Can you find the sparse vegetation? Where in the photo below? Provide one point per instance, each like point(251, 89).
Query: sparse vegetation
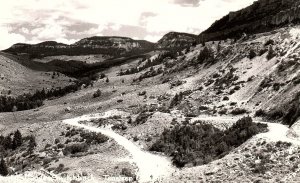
point(97, 93)
point(260, 113)
point(75, 148)
point(35, 100)
point(3, 168)
point(252, 54)
point(202, 143)
point(271, 53)
point(206, 56)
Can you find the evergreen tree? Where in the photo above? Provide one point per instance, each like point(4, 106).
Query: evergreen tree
point(7, 142)
point(32, 144)
point(17, 140)
point(3, 168)
point(107, 80)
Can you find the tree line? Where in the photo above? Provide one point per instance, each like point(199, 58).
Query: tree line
point(12, 142)
point(31, 101)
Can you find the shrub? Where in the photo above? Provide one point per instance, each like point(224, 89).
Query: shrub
point(288, 112)
point(127, 172)
point(176, 100)
point(135, 138)
point(226, 98)
point(203, 108)
point(252, 54)
point(47, 146)
point(142, 118)
point(3, 168)
point(275, 114)
point(202, 143)
point(93, 137)
point(97, 93)
point(60, 168)
point(206, 55)
point(262, 51)
point(223, 111)
point(260, 113)
point(60, 146)
point(285, 65)
point(75, 148)
point(276, 86)
point(17, 140)
point(238, 111)
point(142, 93)
point(270, 42)
point(232, 103)
point(271, 53)
point(102, 75)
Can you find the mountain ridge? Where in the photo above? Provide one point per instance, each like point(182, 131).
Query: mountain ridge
point(261, 16)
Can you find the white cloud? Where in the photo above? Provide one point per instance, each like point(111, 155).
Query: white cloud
point(7, 39)
point(51, 17)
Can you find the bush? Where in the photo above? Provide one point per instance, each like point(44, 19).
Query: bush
point(93, 137)
point(270, 42)
point(260, 113)
point(252, 54)
point(275, 114)
point(75, 148)
point(238, 111)
point(271, 53)
point(203, 108)
point(127, 172)
point(288, 112)
point(202, 143)
point(97, 93)
point(176, 100)
point(3, 168)
point(285, 65)
point(226, 98)
point(206, 55)
point(223, 111)
point(142, 118)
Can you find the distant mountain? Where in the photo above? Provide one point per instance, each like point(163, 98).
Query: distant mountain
point(176, 40)
point(262, 15)
point(113, 46)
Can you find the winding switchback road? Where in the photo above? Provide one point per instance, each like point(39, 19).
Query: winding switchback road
point(151, 167)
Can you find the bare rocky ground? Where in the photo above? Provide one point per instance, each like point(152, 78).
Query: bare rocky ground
point(249, 84)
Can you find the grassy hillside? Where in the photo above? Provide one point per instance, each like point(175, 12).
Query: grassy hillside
point(17, 79)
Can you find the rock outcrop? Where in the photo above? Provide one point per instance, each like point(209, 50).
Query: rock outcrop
point(176, 40)
point(262, 15)
point(114, 46)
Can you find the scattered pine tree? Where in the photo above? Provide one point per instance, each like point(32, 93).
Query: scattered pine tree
point(17, 140)
point(3, 168)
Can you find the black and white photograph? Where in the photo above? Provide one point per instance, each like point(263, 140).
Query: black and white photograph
point(149, 91)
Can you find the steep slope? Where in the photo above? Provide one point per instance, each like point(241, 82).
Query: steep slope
point(111, 46)
point(170, 89)
point(177, 40)
point(262, 15)
point(18, 79)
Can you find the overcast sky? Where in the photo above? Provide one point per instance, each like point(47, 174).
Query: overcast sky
point(33, 21)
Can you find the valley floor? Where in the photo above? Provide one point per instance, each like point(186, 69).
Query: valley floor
point(133, 110)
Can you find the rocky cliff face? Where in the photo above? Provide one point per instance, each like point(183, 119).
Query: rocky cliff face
point(113, 42)
point(113, 46)
point(176, 40)
point(262, 15)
